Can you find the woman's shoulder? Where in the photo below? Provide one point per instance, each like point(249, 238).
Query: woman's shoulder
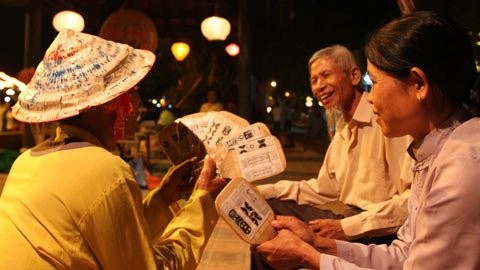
point(464, 141)
point(468, 132)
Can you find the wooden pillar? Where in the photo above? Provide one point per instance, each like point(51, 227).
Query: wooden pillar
point(245, 74)
point(32, 53)
point(33, 35)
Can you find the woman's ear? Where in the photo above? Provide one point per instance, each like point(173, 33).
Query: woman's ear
point(419, 81)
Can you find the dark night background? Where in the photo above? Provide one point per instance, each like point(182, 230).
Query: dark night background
point(283, 35)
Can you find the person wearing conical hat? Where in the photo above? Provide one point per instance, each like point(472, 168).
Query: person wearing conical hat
point(69, 203)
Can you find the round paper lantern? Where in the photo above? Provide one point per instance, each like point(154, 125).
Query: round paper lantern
point(131, 27)
point(215, 28)
point(68, 19)
point(180, 50)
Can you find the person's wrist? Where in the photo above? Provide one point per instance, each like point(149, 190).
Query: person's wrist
point(325, 245)
point(310, 257)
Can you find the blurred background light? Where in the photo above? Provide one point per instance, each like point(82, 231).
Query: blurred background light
point(215, 28)
point(68, 19)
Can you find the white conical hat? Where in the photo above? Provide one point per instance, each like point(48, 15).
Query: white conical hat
point(80, 71)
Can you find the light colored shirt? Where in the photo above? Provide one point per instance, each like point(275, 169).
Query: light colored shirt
point(443, 227)
point(362, 168)
point(208, 107)
point(77, 206)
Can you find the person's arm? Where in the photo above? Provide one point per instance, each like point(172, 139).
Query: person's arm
point(380, 219)
point(314, 191)
point(183, 240)
point(156, 205)
point(296, 245)
point(387, 216)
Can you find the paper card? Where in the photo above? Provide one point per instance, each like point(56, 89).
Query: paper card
point(168, 142)
point(222, 125)
point(254, 160)
point(197, 122)
point(245, 134)
point(179, 143)
point(244, 209)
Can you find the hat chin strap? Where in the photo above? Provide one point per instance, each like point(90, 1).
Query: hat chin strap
point(123, 107)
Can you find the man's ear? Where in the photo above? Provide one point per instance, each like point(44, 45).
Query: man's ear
point(355, 75)
point(419, 81)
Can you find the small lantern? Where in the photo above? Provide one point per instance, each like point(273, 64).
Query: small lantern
point(68, 19)
point(232, 49)
point(215, 28)
point(180, 50)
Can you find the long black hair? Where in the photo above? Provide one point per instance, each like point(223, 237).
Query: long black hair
point(437, 45)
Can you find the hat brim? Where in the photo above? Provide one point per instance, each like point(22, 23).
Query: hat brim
point(121, 79)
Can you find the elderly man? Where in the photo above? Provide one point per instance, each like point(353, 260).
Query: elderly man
point(363, 184)
point(69, 203)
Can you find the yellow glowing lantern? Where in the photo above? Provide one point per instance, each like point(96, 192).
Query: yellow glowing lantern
point(180, 50)
point(68, 19)
point(215, 28)
point(232, 49)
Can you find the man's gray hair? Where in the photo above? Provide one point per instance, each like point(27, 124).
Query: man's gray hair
point(340, 55)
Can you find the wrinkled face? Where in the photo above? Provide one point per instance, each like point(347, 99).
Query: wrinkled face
point(331, 85)
point(394, 102)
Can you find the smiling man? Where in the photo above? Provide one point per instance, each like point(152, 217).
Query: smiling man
point(362, 188)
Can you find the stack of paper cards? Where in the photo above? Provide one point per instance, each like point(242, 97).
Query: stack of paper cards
point(252, 153)
point(213, 127)
point(179, 143)
point(245, 210)
point(238, 148)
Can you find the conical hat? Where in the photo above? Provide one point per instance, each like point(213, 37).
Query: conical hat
point(80, 71)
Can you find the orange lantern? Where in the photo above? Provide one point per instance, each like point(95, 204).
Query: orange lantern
point(180, 50)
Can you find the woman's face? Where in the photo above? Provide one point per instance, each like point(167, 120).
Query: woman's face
point(395, 104)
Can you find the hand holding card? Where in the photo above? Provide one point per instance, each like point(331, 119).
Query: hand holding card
point(245, 210)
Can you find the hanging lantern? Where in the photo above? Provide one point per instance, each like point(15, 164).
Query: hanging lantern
point(215, 28)
point(180, 50)
point(232, 49)
point(68, 19)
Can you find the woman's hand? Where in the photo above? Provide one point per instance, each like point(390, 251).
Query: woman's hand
point(287, 251)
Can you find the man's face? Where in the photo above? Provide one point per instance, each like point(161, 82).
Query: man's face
point(330, 85)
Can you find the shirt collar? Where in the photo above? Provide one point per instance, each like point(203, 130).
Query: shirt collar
point(64, 134)
point(68, 132)
point(421, 150)
point(364, 111)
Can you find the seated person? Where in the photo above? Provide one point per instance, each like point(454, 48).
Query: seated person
point(361, 190)
point(422, 67)
point(69, 203)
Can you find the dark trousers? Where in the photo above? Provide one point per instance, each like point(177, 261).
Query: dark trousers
point(337, 210)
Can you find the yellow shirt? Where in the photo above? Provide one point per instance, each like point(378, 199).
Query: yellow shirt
point(77, 206)
point(362, 168)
